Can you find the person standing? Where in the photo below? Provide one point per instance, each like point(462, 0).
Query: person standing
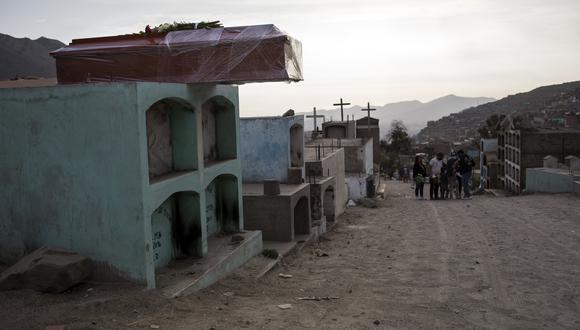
point(419, 175)
point(436, 164)
point(452, 175)
point(444, 182)
point(466, 164)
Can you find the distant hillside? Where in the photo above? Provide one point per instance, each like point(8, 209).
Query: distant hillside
point(21, 57)
point(464, 124)
point(414, 114)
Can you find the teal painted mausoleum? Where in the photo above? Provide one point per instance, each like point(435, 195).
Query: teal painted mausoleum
point(133, 175)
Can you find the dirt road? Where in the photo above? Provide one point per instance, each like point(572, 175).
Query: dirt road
point(501, 263)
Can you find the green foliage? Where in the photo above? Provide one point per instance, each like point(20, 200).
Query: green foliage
point(490, 127)
point(270, 253)
point(397, 142)
point(177, 26)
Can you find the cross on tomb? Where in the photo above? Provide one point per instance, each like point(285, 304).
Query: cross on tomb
point(368, 110)
point(314, 116)
point(341, 109)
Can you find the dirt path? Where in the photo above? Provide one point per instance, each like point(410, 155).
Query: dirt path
point(504, 263)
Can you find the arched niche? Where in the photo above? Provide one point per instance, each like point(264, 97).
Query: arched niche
point(302, 217)
point(219, 130)
point(222, 205)
point(176, 228)
point(296, 146)
point(171, 138)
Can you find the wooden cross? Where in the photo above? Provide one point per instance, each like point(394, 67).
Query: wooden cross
point(314, 116)
point(368, 110)
point(341, 109)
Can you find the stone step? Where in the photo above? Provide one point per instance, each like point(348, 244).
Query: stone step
point(219, 262)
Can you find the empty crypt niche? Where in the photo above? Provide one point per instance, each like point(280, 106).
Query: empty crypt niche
point(171, 139)
point(301, 215)
point(222, 206)
point(219, 130)
point(176, 229)
point(296, 146)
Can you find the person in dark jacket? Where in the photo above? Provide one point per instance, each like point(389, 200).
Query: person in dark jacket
point(466, 164)
point(419, 174)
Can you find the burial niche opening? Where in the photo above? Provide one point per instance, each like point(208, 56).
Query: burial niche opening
point(176, 229)
point(329, 204)
point(222, 205)
point(219, 130)
point(302, 217)
point(171, 138)
point(296, 146)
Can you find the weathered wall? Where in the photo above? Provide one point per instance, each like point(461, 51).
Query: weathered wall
point(333, 165)
point(70, 171)
point(368, 151)
point(549, 180)
point(75, 173)
point(265, 147)
point(356, 187)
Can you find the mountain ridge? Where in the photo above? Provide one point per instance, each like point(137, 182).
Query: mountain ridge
point(21, 57)
point(414, 114)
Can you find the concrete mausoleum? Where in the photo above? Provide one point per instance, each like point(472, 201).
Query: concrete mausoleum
point(133, 175)
point(276, 199)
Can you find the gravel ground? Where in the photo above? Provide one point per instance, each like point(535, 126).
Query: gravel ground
point(501, 263)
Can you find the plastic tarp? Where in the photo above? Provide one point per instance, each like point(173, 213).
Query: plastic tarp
point(233, 55)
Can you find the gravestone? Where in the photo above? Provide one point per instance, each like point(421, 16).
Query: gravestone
point(550, 162)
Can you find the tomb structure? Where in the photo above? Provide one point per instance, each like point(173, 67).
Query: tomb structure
point(520, 148)
point(132, 175)
point(368, 128)
point(488, 164)
point(276, 199)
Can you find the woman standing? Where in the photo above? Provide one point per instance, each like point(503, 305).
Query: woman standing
point(419, 174)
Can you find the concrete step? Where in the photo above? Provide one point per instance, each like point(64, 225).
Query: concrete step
point(189, 276)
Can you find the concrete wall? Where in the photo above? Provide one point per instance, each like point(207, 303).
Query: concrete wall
point(549, 180)
point(70, 168)
point(333, 165)
point(75, 174)
point(265, 147)
point(367, 157)
point(356, 186)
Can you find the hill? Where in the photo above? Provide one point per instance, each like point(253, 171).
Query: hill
point(414, 114)
point(464, 124)
point(22, 57)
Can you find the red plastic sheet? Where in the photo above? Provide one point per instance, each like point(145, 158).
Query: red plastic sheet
point(234, 55)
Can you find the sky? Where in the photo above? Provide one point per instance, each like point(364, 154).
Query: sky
point(363, 51)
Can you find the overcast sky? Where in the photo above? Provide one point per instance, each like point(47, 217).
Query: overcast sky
point(377, 51)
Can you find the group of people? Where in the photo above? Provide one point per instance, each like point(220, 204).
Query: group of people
point(446, 177)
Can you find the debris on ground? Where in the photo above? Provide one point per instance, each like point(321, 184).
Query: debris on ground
point(285, 306)
point(369, 203)
point(154, 326)
point(285, 275)
point(320, 253)
point(229, 294)
point(47, 270)
point(377, 322)
point(350, 203)
point(270, 253)
point(317, 298)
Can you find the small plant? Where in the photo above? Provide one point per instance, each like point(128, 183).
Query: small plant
point(270, 253)
point(178, 26)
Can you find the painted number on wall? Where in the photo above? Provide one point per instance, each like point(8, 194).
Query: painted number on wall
point(156, 243)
